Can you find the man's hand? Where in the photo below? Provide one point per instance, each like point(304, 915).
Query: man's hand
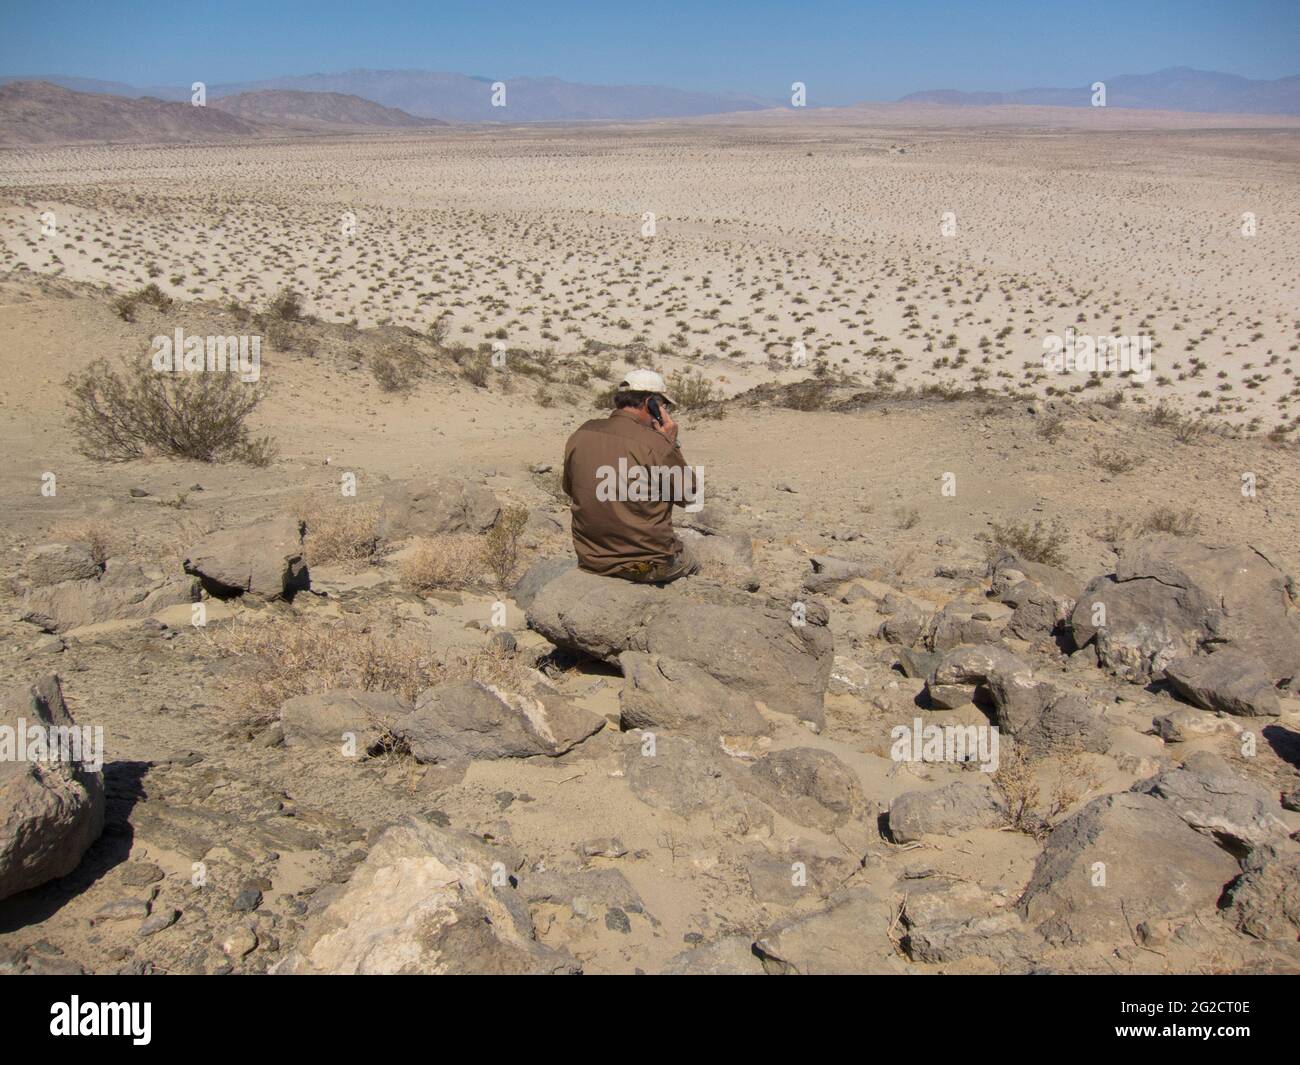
point(668, 427)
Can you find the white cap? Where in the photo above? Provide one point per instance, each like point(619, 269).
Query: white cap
point(646, 381)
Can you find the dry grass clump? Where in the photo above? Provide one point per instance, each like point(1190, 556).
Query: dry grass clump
point(451, 561)
point(691, 389)
point(103, 541)
point(126, 413)
point(125, 306)
point(1115, 462)
point(501, 544)
point(287, 657)
point(398, 368)
point(290, 656)
point(1161, 520)
point(343, 532)
point(1034, 543)
point(1017, 780)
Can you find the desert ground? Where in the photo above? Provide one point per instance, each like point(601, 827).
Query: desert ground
point(882, 446)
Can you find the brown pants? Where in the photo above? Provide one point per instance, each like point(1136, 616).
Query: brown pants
point(682, 564)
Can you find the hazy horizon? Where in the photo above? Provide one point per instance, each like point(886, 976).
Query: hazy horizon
point(845, 53)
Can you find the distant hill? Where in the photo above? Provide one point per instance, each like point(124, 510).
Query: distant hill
point(36, 112)
point(464, 98)
point(1175, 89)
point(318, 110)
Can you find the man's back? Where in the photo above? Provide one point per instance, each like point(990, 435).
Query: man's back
point(610, 530)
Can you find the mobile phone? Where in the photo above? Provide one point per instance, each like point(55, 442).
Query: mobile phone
point(652, 405)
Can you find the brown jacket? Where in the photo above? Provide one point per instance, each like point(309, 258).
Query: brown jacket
point(610, 534)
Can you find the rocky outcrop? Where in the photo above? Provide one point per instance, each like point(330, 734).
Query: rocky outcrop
point(51, 797)
point(778, 655)
point(1122, 860)
point(125, 591)
point(425, 901)
point(1170, 598)
point(663, 693)
point(946, 811)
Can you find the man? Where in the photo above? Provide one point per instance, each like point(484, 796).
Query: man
point(624, 474)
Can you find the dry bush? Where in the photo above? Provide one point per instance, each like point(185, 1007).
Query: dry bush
point(101, 539)
point(476, 371)
point(287, 657)
point(1115, 462)
point(451, 561)
point(286, 306)
point(125, 414)
point(908, 517)
point(290, 656)
point(501, 545)
point(1034, 543)
point(339, 532)
point(397, 369)
point(125, 306)
point(1051, 427)
point(691, 389)
point(1168, 520)
point(1015, 779)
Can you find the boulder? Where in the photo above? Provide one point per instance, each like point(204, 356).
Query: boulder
point(955, 678)
point(1187, 723)
point(57, 562)
point(325, 718)
point(1229, 680)
point(465, 719)
point(751, 646)
point(829, 572)
point(812, 787)
point(905, 622)
point(965, 623)
point(1170, 598)
point(537, 575)
point(948, 921)
point(1264, 901)
point(1122, 860)
point(263, 561)
point(1043, 597)
point(663, 693)
point(947, 811)
point(51, 807)
point(1213, 799)
point(848, 937)
point(434, 506)
point(425, 901)
point(125, 591)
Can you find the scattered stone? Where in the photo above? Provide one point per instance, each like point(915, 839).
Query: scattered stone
point(435, 506)
point(1264, 901)
point(662, 692)
point(1229, 680)
point(158, 920)
point(55, 563)
point(327, 719)
point(848, 937)
point(1213, 799)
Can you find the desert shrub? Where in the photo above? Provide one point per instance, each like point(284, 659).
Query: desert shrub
point(281, 335)
point(397, 369)
point(450, 561)
point(1038, 542)
point(1115, 462)
point(1051, 427)
point(339, 532)
point(691, 389)
point(807, 395)
point(285, 306)
point(121, 414)
point(1168, 520)
point(501, 545)
point(125, 305)
point(1191, 430)
point(476, 370)
point(908, 517)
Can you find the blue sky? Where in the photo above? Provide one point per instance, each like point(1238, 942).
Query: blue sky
point(844, 51)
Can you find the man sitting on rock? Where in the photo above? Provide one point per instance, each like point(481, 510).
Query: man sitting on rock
point(624, 474)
